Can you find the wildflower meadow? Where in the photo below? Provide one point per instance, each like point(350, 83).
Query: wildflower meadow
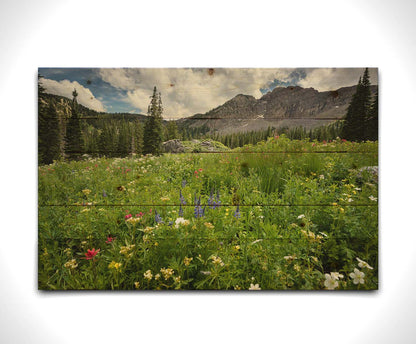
point(281, 214)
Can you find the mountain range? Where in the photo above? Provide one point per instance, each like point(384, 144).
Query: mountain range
point(283, 107)
point(290, 106)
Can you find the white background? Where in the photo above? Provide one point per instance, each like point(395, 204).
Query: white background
point(206, 34)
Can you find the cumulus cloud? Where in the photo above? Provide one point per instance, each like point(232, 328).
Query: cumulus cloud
point(187, 91)
point(328, 79)
point(66, 87)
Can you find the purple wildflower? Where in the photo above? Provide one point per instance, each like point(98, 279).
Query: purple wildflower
point(158, 218)
point(181, 198)
point(198, 211)
point(237, 212)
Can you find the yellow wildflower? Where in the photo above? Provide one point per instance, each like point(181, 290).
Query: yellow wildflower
point(126, 249)
point(86, 192)
point(167, 273)
point(72, 264)
point(114, 265)
point(137, 285)
point(148, 275)
point(164, 199)
point(187, 261)
point(209, 225)
point(133, 220)
point(217, 260)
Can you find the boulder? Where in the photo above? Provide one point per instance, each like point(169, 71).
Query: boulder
point(173, 146)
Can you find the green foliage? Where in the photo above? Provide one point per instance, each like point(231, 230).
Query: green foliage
point(361, 122)
point(48, 129)
point(372, 120)
point(153, 130)
point(302, 216)
point(171, 131)
point(73, 139)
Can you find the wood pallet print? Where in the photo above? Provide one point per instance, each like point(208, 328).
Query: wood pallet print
point(208, 179)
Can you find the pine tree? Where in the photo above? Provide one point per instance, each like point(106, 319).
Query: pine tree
point(153, 130)
point(73, 138)
point(124, 139)
point(137, 140)
point(355, 124)
point(172, 131)
point(372, 121)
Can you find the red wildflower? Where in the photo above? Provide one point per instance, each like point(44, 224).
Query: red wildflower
point(343, 140)
point(200, 170)
point(196, 172)
point(91, 254)
point(110, 240)
point(139, 214)
point(128, 216)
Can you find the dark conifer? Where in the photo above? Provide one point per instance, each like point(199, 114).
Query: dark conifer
point(48, 128)
point(73, 138)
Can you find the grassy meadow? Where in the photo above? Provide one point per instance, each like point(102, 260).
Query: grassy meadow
point(283, 214)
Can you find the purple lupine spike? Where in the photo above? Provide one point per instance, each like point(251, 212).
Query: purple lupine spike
point(180, 211)
point(237, 212)
point(197, 211)
point(158, 218)
point(183, 183)
point(104, 193)
point(217, 201)
point(211, 201)
point(181, 198)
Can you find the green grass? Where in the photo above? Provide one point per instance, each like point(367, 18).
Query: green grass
point(302, 214)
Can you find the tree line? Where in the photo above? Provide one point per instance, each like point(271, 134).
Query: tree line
point(71, 135)
point(361, 120)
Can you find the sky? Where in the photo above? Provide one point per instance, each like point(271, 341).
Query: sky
point(185, 91)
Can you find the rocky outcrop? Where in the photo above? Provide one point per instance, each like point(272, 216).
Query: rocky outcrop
point(284, 106)
point(173, 146)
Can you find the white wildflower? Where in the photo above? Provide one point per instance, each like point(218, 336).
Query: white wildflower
point(181, 221)
point(357, 276)
point(363, 264)
point(254, 286)
point(330, 282)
